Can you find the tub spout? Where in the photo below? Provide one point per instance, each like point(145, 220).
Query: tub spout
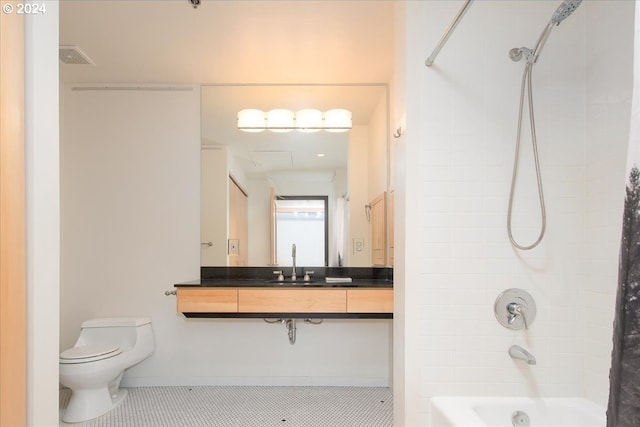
point(517, 352)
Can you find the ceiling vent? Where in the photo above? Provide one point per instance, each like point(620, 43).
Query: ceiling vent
point(72, 55)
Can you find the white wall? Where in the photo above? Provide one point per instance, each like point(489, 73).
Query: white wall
point(406, 399)
point(130, 198)
point(461, 117)
point(367, 179)
point(358, 178)
point(43, 215)
point(609, 80)
point(377, 153)
point(130, 210)
point(259, 212)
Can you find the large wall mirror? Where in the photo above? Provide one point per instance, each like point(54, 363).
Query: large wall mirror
point(246, 174)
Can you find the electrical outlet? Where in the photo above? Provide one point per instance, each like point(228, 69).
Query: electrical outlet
point(233, 246)
point(358, 245)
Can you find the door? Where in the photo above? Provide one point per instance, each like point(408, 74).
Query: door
point(13, 342)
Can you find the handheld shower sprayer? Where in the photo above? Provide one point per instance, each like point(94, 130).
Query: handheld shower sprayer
point(566, 8)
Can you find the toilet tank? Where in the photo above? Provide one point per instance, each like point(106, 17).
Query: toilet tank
point(123, 331)
point(108, 322)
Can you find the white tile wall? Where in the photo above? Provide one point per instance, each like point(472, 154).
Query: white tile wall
point(461, 126)
point(609, 41)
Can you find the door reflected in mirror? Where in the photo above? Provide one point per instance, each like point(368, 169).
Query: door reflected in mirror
point(347, 169)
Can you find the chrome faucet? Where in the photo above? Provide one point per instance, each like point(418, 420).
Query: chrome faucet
point(293, 254)
point(517, 352)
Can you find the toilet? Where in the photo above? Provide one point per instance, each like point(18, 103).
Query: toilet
point(94, 366)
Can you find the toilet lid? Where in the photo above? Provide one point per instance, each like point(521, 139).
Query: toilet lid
point(89, 353)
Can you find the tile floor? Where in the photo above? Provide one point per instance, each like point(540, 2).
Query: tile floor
point(226, 406)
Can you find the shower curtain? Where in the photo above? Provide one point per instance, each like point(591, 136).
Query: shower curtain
point(624, 378)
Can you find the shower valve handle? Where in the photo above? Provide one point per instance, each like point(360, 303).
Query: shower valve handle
point(517, 310)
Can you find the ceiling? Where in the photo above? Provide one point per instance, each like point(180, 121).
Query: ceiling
point(229, 41)
point(279, 43)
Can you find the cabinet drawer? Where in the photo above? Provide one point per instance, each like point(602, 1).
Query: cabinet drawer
point(292, 300)
point(370, 301)
point(219, 300)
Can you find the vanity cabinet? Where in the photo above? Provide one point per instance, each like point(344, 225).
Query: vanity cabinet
point(296, 300)
point(369, 301)
point(255, 302)
point(207, 300)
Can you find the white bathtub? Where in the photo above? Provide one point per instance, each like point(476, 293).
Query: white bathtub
point(498, 412)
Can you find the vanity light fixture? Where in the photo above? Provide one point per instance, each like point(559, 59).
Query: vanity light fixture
point(307, 120)
point(251, 120)
point(280, 120)
point(336, 120)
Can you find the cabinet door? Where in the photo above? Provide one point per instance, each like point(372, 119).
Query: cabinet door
point(207, 300)
point(370, 301)
point(378, 230)
point(292, 300)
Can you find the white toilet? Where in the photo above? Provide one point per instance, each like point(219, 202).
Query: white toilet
point(94, 366)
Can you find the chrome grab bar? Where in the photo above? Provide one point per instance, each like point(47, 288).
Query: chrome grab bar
point(448, 32)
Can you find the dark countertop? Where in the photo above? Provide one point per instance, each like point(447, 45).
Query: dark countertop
point(253, 283)
point(263, 277)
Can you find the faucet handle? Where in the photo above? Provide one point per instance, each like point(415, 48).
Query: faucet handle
point(307, 275)
point(280, 275)
point(515, 309)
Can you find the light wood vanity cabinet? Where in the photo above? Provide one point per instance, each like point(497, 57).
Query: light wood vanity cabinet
point(292, 300)
point(369, 300)
point(296, 300)
point(207, 300)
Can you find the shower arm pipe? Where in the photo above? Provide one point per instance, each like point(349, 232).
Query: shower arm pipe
point(448, 32)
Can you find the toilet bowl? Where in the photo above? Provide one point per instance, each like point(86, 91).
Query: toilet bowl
point(94, 366)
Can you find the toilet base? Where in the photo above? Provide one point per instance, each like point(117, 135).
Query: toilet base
point(116, 399)
point(86, 404)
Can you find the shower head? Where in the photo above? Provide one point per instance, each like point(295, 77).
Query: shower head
point(564, 10)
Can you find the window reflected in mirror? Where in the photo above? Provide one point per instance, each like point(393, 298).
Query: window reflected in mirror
point(302, 221)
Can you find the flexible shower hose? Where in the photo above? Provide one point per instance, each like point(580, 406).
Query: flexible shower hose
point(526, 81)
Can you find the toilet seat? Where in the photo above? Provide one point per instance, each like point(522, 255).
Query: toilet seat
point(89, 353)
